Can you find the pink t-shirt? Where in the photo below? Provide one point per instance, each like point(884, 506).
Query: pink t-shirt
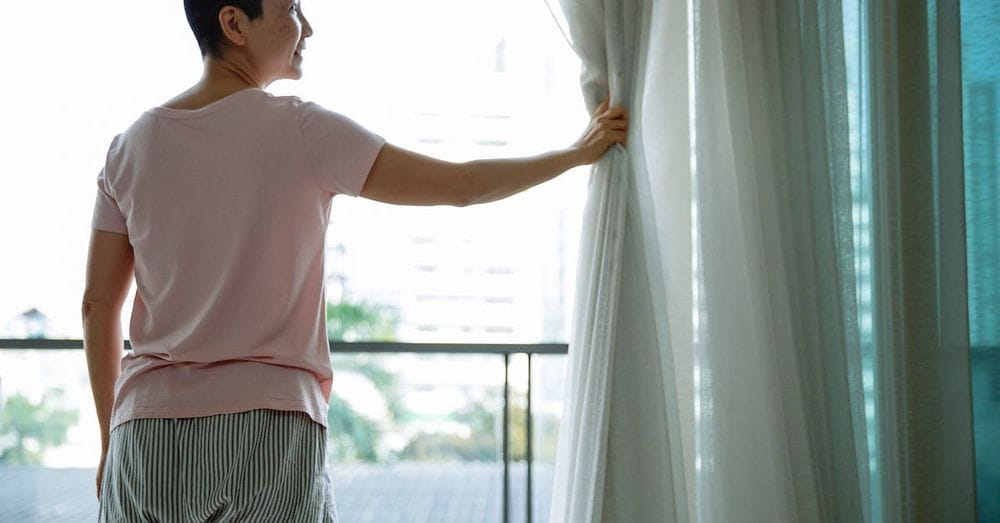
point(226, 208)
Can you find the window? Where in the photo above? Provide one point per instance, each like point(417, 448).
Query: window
point(981, 140)
point(457, 80)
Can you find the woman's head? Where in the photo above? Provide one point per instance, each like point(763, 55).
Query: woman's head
point(263, 36)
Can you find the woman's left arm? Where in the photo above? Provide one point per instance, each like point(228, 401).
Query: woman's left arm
point(110, 268)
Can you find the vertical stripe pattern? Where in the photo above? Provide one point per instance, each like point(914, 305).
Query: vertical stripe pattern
point(257, 465)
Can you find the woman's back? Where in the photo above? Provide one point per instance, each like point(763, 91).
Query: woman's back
point(226, 207)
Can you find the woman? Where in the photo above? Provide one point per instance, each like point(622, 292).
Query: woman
point(218, 202)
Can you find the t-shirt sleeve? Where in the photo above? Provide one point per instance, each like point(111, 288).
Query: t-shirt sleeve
point(107, 214)
point(340, 151)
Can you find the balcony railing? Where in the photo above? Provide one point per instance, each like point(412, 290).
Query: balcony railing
point(504, 351)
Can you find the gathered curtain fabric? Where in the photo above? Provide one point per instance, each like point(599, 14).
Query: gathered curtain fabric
point(716, 363)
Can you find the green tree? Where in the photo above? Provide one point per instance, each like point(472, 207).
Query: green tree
point(350, 321)
point(356, 437)
point(485, 438)
point(353, 435)
point(438, 446)
point(39, 423)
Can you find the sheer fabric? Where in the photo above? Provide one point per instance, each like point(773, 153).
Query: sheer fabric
point(715, 364)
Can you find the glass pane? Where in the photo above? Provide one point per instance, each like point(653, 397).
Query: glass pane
point(547, 382)
point(547, 399)
point(417, 437)
point(981, 136)
point(50, 443)
point(413, 437)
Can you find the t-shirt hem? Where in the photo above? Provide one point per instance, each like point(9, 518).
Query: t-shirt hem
point(110, 228)
point(193, 411)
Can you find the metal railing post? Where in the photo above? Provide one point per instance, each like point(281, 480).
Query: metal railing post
point(528, 430)
point(506, 419)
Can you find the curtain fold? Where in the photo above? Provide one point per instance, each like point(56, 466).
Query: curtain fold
point(924, 409)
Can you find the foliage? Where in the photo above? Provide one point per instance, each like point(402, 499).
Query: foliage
point(356, 437)
point(438, 446)
point(33, 427)
point(386, 382)
point(484, 441)
point(352, 435)
point(351, 321)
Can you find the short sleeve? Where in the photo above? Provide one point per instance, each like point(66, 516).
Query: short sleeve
point(340, 151)
point(107, 215)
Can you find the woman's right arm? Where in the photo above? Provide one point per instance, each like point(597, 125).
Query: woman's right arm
point(406, 177)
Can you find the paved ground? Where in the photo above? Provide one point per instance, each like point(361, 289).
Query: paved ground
point(403, 492)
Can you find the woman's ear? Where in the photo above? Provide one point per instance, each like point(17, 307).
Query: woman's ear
point(234, 24)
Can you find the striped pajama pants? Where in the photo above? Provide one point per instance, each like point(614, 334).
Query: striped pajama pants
point(257, 465)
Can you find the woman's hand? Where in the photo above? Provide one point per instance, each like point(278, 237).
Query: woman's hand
point(100, 471)
point(607, 126)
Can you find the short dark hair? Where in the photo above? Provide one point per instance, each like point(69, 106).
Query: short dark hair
point(203, 17)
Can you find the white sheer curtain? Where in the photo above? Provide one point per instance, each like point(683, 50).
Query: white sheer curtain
point(714, 370)
point(779, 352)
point(610, 432)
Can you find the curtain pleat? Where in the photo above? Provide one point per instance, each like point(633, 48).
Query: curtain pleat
point(920, 314)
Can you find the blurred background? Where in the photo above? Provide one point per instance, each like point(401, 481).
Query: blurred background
point(415, 434)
